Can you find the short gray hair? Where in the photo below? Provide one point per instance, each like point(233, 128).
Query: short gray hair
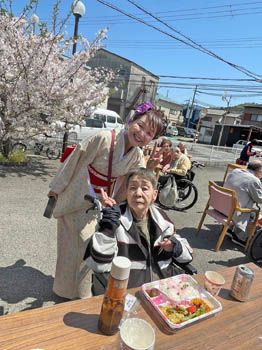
point(255, 165)
point(143, 172)
point(174, 149)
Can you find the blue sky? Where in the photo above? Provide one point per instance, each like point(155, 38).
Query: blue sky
point(229, 28)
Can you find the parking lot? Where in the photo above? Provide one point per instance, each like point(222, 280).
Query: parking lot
point(28, 240)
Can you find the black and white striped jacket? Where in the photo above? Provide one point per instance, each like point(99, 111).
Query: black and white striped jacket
point(129, 241)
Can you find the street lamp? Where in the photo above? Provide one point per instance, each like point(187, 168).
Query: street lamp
point(78, 9)
point(34, 20)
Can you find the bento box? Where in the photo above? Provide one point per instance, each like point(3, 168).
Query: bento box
point(180, 301)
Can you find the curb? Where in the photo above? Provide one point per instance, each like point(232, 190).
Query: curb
point(15, 164)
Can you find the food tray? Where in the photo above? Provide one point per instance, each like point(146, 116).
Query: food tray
point(182, 288)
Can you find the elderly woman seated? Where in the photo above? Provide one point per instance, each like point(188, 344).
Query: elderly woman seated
point(183, 149)
point(139, 231)
point(179, 166)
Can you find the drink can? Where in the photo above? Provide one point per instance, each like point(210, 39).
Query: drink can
point(241, 283)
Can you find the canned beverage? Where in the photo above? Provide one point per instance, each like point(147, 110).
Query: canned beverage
point(241, 283)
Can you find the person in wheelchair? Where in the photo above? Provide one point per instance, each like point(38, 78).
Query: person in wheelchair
point(179, 166)
point(166, 146)
point(139, 231)
point(183, 149)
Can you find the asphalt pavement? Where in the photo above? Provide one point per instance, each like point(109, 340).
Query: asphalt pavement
point(28, 240)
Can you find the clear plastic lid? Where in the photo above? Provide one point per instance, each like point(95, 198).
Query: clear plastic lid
point(120, 268)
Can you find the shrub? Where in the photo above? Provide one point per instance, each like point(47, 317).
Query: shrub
point(17, 157)
point(2, 158)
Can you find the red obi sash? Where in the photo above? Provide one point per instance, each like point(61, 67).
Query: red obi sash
point(99, 180)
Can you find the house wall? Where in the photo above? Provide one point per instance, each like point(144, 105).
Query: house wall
point(252, 116)
point(173, 111)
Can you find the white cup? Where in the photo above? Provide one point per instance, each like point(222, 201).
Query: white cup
point(137, 334)
point(213, 282)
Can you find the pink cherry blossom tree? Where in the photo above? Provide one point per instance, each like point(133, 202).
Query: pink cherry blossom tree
point(37, 78)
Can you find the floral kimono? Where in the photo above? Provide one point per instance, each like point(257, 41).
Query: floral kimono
point(84, 172)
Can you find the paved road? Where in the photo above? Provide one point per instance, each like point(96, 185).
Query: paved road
point(28, 240)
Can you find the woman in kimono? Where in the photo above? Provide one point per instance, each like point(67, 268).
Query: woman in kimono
point(85, 172)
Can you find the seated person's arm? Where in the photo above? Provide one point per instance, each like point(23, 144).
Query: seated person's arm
point(255, 190)
point(103, 245)
point(184, 166)
point(177, 248)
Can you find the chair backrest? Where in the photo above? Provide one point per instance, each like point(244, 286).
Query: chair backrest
point(222, 199)
point(232, 166)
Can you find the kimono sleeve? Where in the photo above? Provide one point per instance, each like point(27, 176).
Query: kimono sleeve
point(85, 151)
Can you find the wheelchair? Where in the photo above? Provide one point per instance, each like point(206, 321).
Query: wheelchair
point(187, 193)
point(254, 251)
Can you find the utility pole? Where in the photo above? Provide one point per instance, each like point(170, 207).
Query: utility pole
point(192, 107)
point(227, 99)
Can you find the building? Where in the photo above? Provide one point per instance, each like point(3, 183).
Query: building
point(172, 110)
point(133, 85)
point(220, 116)
point(227, 135)
point(252, 115)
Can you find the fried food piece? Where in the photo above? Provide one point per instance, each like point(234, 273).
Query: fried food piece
point(154, 292)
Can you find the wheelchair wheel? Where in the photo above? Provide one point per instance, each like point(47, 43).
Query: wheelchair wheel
point(255, 247)
point(187, 195)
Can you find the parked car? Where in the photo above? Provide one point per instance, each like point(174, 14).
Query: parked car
point(110, 118)
point(77, 132)
point(186, 132)
point(241, 143)
point(171, 131)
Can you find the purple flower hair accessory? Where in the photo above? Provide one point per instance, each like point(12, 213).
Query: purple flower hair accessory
point(144, 107)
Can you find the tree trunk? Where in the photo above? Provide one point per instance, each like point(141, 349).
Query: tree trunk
point(6, 147)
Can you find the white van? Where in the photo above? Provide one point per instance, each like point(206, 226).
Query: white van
point(110, 118)
point(99, 118)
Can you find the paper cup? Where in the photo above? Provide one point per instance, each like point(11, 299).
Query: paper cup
point(213, 282)
point(136, 334)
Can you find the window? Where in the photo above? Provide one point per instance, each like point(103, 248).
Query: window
point(256, 117)
point(94, 123)
point(111, 119)
point(100, 117)
point(119, 120)
point(207, 119)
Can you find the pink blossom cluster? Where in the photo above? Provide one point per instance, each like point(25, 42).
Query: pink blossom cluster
point(37, 78)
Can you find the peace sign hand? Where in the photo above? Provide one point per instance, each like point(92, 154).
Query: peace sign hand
point(155, 157)
point(106, 200)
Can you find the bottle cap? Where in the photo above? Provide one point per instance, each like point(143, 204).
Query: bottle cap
point(120, 268)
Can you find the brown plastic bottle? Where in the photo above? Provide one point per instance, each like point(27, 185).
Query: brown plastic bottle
point(114, 299)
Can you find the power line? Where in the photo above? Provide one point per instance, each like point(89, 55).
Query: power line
point(197, 46)
point(231, 8)
point(194, 78)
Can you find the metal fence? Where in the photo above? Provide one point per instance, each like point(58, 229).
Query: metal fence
point(212, 152)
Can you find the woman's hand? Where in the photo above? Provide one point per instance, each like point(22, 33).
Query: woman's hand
point(155, 157)
point(106, 200)
point(167, 245)
point(166, 169)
